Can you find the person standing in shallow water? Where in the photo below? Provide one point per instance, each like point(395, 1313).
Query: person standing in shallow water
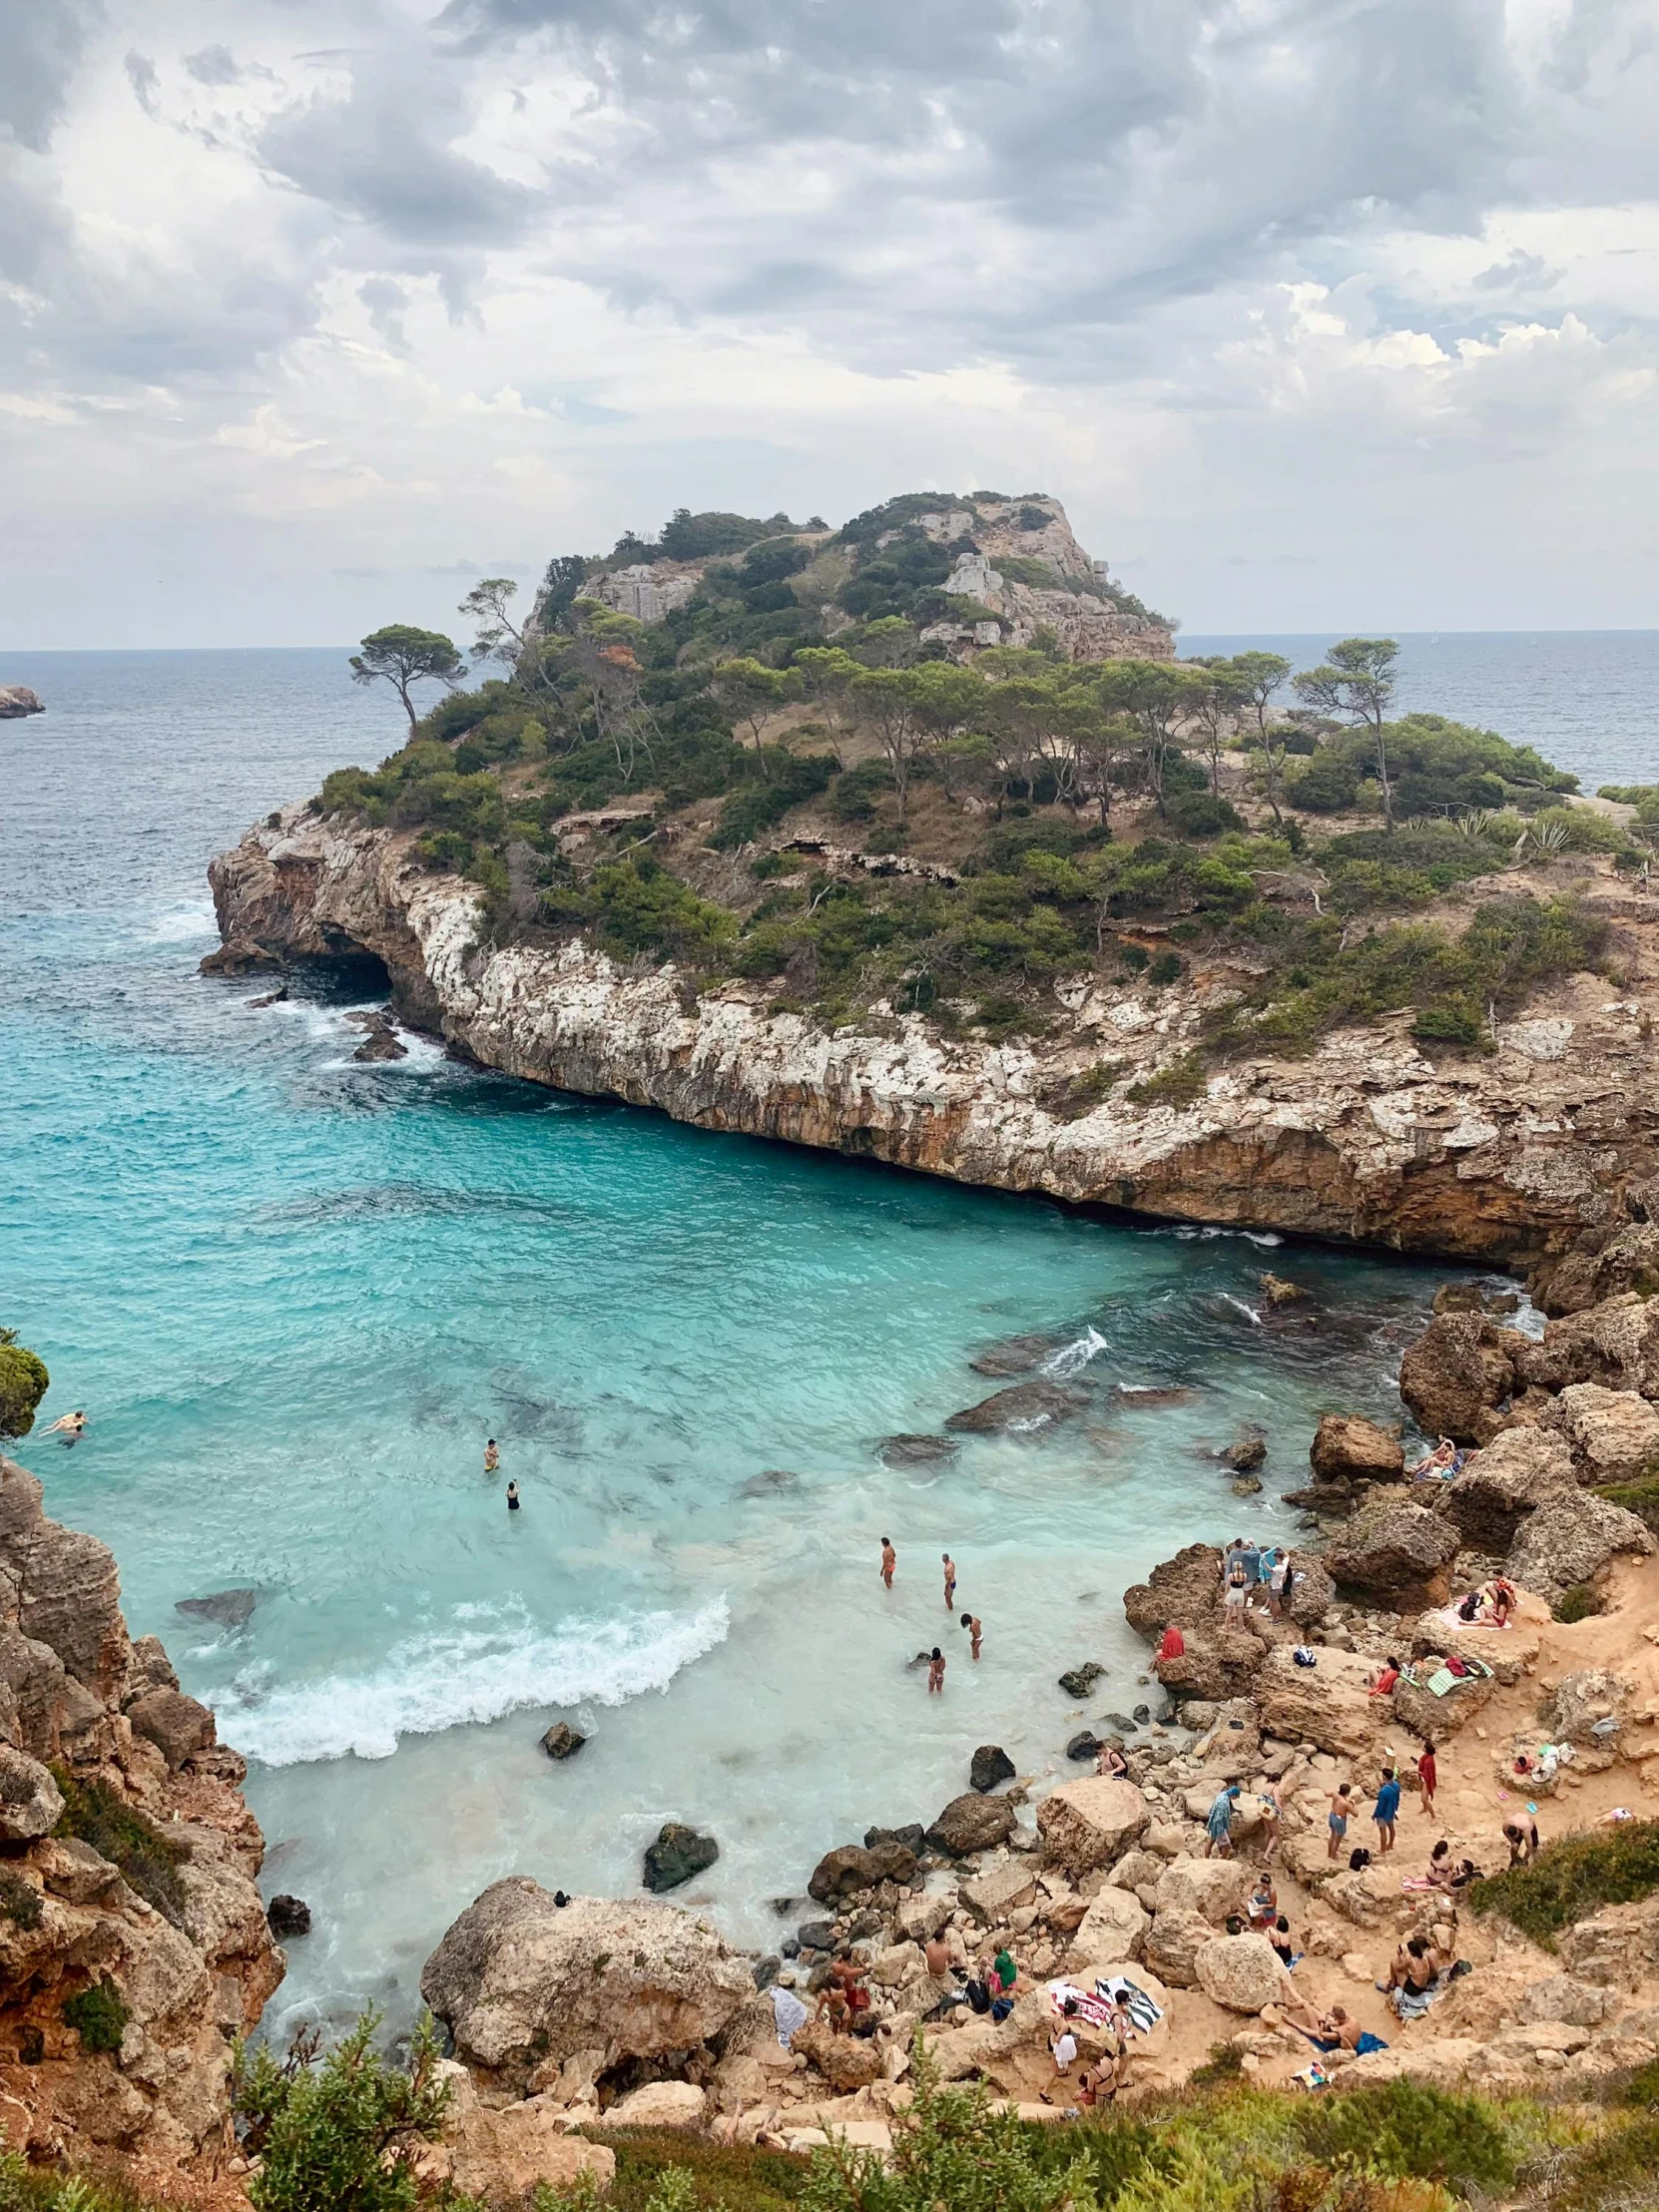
point(949, 1581)
point(492, 1457)
point(971, 1621)
point(512, 1497)
point(935, 1672)
point(890, 1560)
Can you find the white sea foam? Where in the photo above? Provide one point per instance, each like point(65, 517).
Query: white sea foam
point(470, 1674)
point(1238, 1303)
point(184, 918)
point(1265, 1236)
point(1072, 1358)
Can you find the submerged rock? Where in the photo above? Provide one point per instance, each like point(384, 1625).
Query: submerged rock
point(678, 1853)
point(1015, 1355)
point(1154, 1393)
point(562, 1741)
point(230, 1608)
point(381, 1039)
point(1278, 1292)
point(1025, 1407)
point(1077, 1682)
point(772, 1483)
point(1243, 1454)
point(907, 1450)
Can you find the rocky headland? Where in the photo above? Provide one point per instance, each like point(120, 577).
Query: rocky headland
point(1533, 1151)
point(134, 1943)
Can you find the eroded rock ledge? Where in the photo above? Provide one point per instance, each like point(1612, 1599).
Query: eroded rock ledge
point(1510, 1159)
point(167, 1936)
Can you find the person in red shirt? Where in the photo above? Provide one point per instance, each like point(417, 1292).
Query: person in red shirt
point(1388, 1676)
point(1426, 1780)
point(1174, 1644)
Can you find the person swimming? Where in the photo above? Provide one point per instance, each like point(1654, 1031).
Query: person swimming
point(68, 1428)
point(492, 1457)
point(512, 1497)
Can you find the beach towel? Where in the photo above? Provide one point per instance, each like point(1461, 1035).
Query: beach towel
point(1368, 2044)
point(1097, 2010)
point(1134, 1999)
point(1312, 2077)
point(1411, 2004)
point(788, 2010)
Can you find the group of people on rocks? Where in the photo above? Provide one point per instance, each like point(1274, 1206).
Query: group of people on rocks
point(1256, 1574)
point(971, 1621)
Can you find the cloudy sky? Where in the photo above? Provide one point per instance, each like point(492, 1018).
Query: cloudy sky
point(1315, 312)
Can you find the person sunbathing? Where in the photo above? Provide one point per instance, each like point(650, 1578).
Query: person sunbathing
point(1263, 1908)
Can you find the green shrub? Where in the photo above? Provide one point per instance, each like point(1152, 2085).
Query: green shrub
point(1402, 2128)
point(1579, 1603)
point(657, 2167)
point(1568, 1880)
point(19, 1900)
point(1183, 1083)
point(1080, 1095)
point(23, 1384)
point(858, 791)
point(1202, 815)
point(1451, 1021)
point(758, 805)
point(339, 2133)
point(1166, 969)
point(98, 2017)
point(1224, 2064)
point(122, 1834)
point(642, 908)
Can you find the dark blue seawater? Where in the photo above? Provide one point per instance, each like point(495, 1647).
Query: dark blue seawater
point(1587, 699)
point(296, 1294)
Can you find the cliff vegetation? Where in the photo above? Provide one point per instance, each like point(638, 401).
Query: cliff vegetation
point(817, 769)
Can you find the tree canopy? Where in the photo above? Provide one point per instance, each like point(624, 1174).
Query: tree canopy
point(402, 656)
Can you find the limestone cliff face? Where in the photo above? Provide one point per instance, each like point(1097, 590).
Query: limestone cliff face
point(93, 1730)
point(1503, 1159)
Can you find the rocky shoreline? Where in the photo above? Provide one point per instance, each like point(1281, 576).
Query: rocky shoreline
point(134, 1942)
point(1516, 1158)
point(568, 2013)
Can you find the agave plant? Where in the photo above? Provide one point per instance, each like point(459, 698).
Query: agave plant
point(1475, 822)
point(1546, 837)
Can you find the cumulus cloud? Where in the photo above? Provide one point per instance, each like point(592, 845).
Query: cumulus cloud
point(379, 281)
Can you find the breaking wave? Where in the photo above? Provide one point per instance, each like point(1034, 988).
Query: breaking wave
point(468, 1673)
point(1072, 1358)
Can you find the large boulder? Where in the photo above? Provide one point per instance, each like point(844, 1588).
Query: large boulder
point(1025, 1408)
point(1613, 1434)
point(660, 2104)
point(1209, 1888)
point(1173, 1942)
point(1218, 1663)
point(1502, 1484)
point(1088, 1824)
point(499, 2154)
point(1435, 1717)
point(178, 1726)
point(845, 2061)
point(1627, 1261)
point(1395, 1553)
point(1242, 1972)
point(971, 1823)
point(519, 1981)
point(1184, 1589)
point(1346, 1449)
point(1581, 1700)
point(1454, 1376)
point(1312, 1590)
point(846, 1869)
point(1114, 1926)
point(1573, 1539)
point(1615, 1344)
point(31, 1803)
point(1328, 1703)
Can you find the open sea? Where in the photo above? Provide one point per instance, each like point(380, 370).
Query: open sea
point(296, 1294)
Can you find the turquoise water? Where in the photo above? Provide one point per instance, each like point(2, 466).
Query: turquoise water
point(296, 1294)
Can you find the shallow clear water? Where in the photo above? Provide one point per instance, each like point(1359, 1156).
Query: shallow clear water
point(296, 1294)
